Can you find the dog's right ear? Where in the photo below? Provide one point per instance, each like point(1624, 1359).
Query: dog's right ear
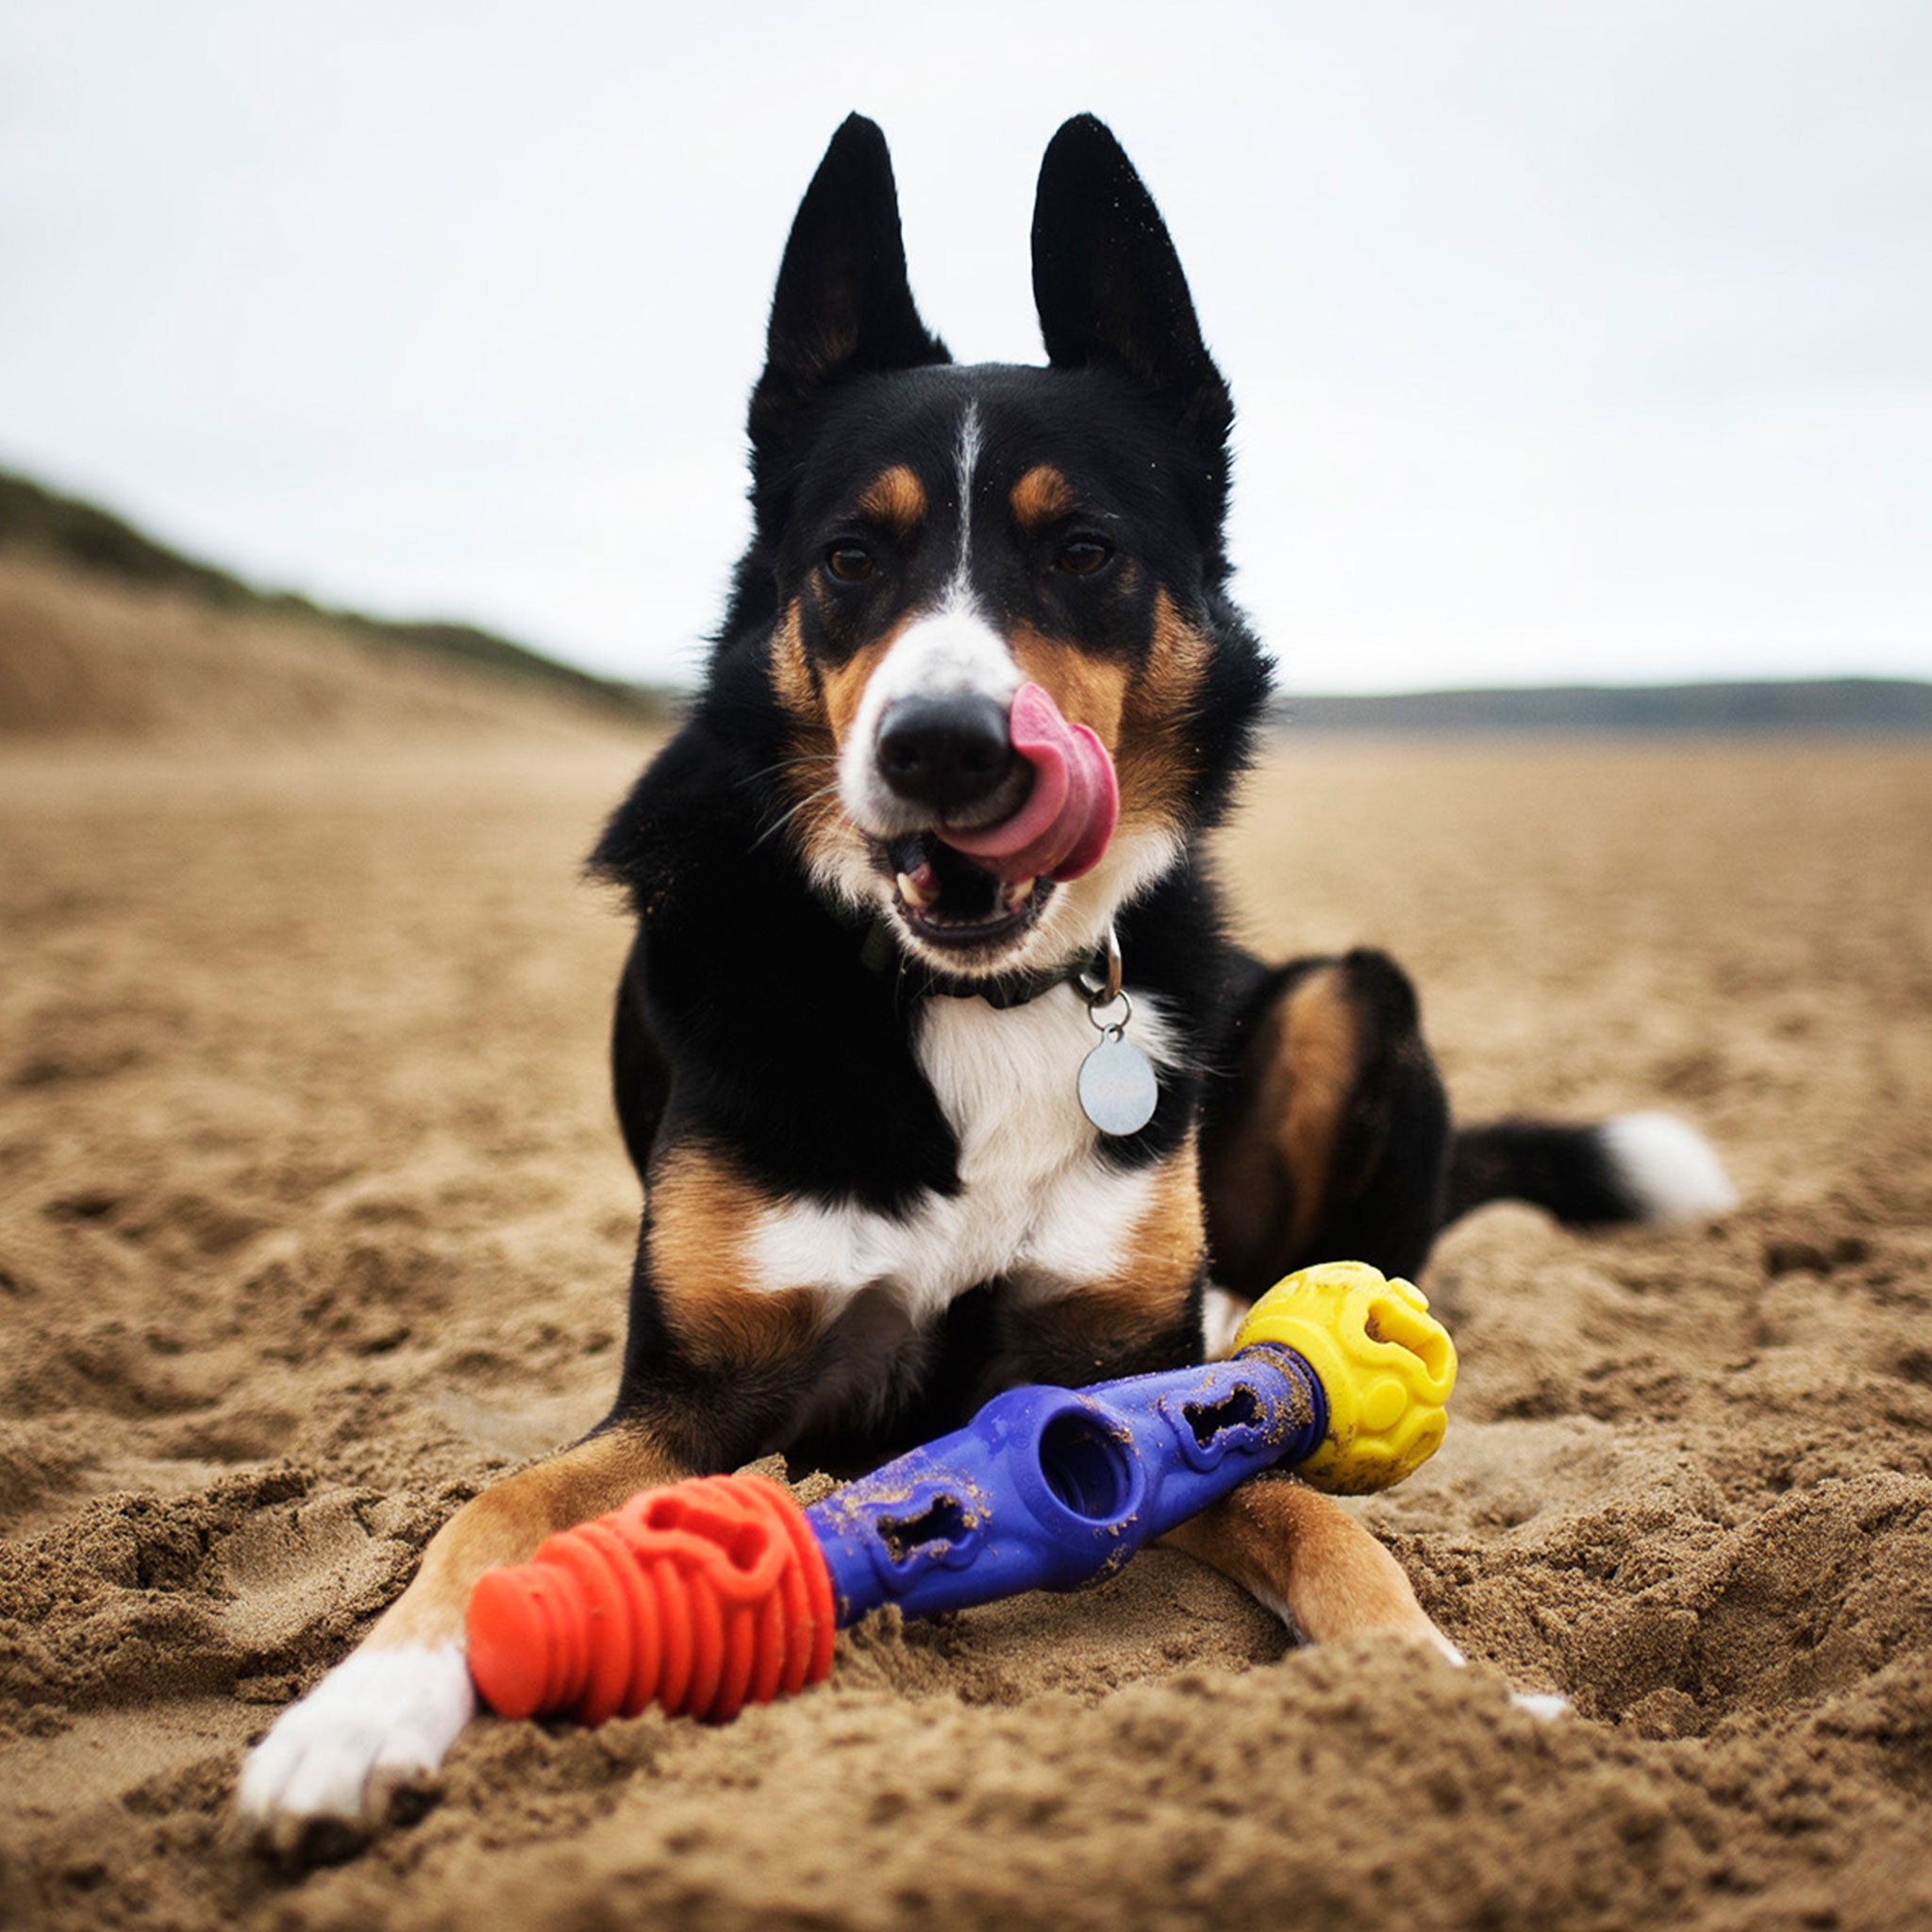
point(843, 303)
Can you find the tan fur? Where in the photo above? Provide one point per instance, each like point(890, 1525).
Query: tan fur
point(792, 678)
point(1268, 1182)
point(1156, 756)
point(1320, 1048)
point(1242, 1183)
point(1040, 496)
point(844, 684)
point(1282, 1540)
point(1089, 690)
point(895, 499)
point(816, 823)
point(822, 704)
point(1167, 1243)
point(701, 1211)
point(506, 1523)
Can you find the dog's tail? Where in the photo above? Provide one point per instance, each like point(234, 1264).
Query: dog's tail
point(1646, 1167)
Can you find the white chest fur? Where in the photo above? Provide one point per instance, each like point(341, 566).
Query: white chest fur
point(1035, 1208)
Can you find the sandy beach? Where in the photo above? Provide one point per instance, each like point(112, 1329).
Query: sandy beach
point(313, 1217)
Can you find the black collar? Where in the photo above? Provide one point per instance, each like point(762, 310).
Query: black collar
point(914, 979)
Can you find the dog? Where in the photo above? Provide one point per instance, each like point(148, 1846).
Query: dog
point(928, 849)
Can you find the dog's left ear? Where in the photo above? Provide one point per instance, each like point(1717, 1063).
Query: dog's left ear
point(1109, 284)
point(843, 303)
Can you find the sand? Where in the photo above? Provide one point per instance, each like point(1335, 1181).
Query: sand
point(313, 1217)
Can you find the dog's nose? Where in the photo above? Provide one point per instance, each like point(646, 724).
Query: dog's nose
point(945, 753)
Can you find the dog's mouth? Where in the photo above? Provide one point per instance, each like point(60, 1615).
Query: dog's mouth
point(1017, 811)
point(948, 901)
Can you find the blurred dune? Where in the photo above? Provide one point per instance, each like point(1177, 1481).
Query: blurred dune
point(108, 633)
point(83, 657)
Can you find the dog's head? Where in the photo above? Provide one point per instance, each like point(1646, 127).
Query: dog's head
point(1012, 684)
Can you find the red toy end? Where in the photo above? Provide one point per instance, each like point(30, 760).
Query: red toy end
point(701, 1598)
point(511, 1645)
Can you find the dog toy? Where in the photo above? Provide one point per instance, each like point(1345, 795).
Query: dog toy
point(720, 1591)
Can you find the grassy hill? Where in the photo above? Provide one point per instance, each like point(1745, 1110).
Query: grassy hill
point(38, 525)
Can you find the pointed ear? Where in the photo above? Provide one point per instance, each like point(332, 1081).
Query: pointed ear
point(843, 303)
point(1109, 284)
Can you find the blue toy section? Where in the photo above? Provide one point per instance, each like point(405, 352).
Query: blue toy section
point(1050, 1489)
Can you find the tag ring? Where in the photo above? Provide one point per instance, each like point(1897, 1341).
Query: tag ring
point(1102, 992)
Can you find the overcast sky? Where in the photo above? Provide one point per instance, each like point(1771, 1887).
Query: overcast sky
point(1570, 342)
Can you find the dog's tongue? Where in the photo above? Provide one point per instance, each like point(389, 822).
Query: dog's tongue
point(1068, 817)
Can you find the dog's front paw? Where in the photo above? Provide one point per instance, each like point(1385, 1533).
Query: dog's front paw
point(376, 1724)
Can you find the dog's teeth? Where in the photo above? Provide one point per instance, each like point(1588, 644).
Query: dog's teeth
point(1016, 893)
point(913, 892)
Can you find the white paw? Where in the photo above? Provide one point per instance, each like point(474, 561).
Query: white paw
point(1546, 1705)
point(380, 1720)
point(1221, 1315)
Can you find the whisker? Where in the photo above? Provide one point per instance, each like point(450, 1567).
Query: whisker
point(810, 798)
point(808, 757)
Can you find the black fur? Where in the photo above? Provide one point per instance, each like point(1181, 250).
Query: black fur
point(1564, 1170)
point(842, 306)
point(755, 1017)
point(1110, 292)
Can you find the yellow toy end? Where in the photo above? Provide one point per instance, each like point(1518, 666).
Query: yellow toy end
point(1385, 1364)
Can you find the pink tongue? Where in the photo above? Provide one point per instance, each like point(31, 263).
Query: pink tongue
point(1063, 827)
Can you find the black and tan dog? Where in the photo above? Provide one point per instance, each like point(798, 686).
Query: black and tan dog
point(978, 696)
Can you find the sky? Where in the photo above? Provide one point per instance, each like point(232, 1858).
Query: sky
point(1570, 342)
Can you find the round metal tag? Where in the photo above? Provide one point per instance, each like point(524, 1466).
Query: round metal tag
point(1118, 1090)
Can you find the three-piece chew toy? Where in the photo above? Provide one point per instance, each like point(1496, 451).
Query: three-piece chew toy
point(723, 1590)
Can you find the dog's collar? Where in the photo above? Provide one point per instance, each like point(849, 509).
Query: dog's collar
point(1097, 971)
point(1118, 1087)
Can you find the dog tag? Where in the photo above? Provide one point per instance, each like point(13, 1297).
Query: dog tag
point(1118, 1090)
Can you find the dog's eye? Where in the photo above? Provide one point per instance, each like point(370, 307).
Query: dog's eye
point(1083, 557)
point(849, 562)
